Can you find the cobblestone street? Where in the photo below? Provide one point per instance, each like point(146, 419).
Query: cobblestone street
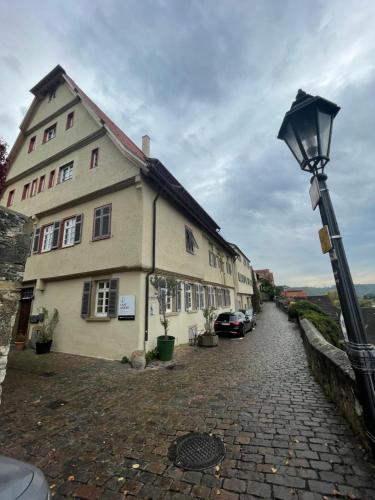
point(283, 438)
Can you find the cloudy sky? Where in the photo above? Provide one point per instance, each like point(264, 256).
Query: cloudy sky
point(210, 81)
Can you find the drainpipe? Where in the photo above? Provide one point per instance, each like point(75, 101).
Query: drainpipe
point(152, 267)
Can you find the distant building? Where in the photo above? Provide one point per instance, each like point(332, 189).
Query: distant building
point(294, 294)
point(264, 274)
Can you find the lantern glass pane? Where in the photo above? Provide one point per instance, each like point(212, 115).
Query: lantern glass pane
point(325, 123)
point(292, 142)
point(305, 124)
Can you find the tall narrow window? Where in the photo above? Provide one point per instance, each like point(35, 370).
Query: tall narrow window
point(69, 232)
point(188, 297)
point(42, 181)
point(102, 298)
point(178, 297)
point(102, 222)
point(10, 198)
point(70, 120)
point(32, 144)
point(190, 241)
point(94, 158)
point(47, 238)
point(66, 172)
point(51, 181)
point(49, 133)
point(34, 186)
point(25, 192)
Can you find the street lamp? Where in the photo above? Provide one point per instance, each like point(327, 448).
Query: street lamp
point(307, 131)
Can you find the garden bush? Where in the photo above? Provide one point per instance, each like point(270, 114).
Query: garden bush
point(326, 325)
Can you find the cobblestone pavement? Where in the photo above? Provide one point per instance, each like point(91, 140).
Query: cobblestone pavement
point(283, 438)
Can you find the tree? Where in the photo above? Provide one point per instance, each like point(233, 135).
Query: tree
point(267, 288)
point(256, 298)
point(165, 286)
point(3, 165)
point(334, 298)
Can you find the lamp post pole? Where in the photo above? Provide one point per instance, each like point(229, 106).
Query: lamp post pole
point(307, 131)
point(360, 352)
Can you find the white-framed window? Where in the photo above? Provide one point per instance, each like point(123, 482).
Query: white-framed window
point(66, 172)
point(69, 231)
point(47, 238)
point(168, 300)
point(188, 297)
point(178, 297)
point(211, 296)
point(102, 298)
point(199, 296)
point(219, 297)
point(49, 133)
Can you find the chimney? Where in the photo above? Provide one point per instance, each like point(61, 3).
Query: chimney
point(146, 145)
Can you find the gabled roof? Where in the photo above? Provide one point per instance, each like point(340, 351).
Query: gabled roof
point(170, 187)
point(121, 136)
point(238, 250)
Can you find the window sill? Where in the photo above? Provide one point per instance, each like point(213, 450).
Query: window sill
point(98, 319)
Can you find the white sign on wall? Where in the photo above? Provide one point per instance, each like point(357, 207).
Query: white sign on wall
point(126, 307)
point(314, 193)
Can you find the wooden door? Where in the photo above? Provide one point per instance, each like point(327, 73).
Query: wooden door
point(23, 321)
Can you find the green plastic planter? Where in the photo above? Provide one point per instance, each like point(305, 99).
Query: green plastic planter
point(165, 347)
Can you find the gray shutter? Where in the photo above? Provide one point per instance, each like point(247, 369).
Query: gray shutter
point(56, 234)
point(36, 240)
point(78, 229)
point(112, 302)
point(185, 297)
point(86, 298)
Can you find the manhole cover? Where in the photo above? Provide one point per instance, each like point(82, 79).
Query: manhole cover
point(197, 451)
point(48, 374)
point(53, 405)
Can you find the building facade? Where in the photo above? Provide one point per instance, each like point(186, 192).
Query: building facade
point(243, 279)
point(106, 218)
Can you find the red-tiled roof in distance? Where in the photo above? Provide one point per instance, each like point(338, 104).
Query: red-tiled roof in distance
point(121, 136)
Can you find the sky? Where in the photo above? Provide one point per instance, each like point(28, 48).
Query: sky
point(210, 82)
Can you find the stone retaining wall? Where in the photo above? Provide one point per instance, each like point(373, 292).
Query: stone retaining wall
point(15, 236)
point(332, 369)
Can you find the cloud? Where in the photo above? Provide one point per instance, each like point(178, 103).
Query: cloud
point(210, 82)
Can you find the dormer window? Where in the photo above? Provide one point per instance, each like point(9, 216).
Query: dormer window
point(32, 144)
point(49, 133)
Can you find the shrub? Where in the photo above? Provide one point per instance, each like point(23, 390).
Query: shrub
point(124, 360)
point(296, 309)
point(326, 326)
point(151, 355)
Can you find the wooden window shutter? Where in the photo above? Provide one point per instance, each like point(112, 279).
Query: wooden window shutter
point(56, 234)
point(78, 230)
point(86, 298)
point(36, 240)
point(112, 302)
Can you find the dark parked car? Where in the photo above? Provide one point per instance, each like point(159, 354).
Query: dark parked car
point(235, 323)
point(249, 313)
point(21, 481)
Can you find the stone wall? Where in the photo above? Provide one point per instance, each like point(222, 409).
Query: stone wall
point(332, 369)
point(15, 239)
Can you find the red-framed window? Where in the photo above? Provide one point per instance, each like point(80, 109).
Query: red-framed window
point(70, 120)
point(51, 181)
point(32, 144)
point(49, 133)
point(25, 192)
point(42, 182)
point(10, 198)
point(102, 222)
point(94, 162)
point(34, 186)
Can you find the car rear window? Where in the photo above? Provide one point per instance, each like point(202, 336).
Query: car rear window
point(226, 317)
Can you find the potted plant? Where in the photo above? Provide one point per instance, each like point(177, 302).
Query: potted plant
point(45, 333)
point(20, 342)
point(209, 337)
point(164, 286)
